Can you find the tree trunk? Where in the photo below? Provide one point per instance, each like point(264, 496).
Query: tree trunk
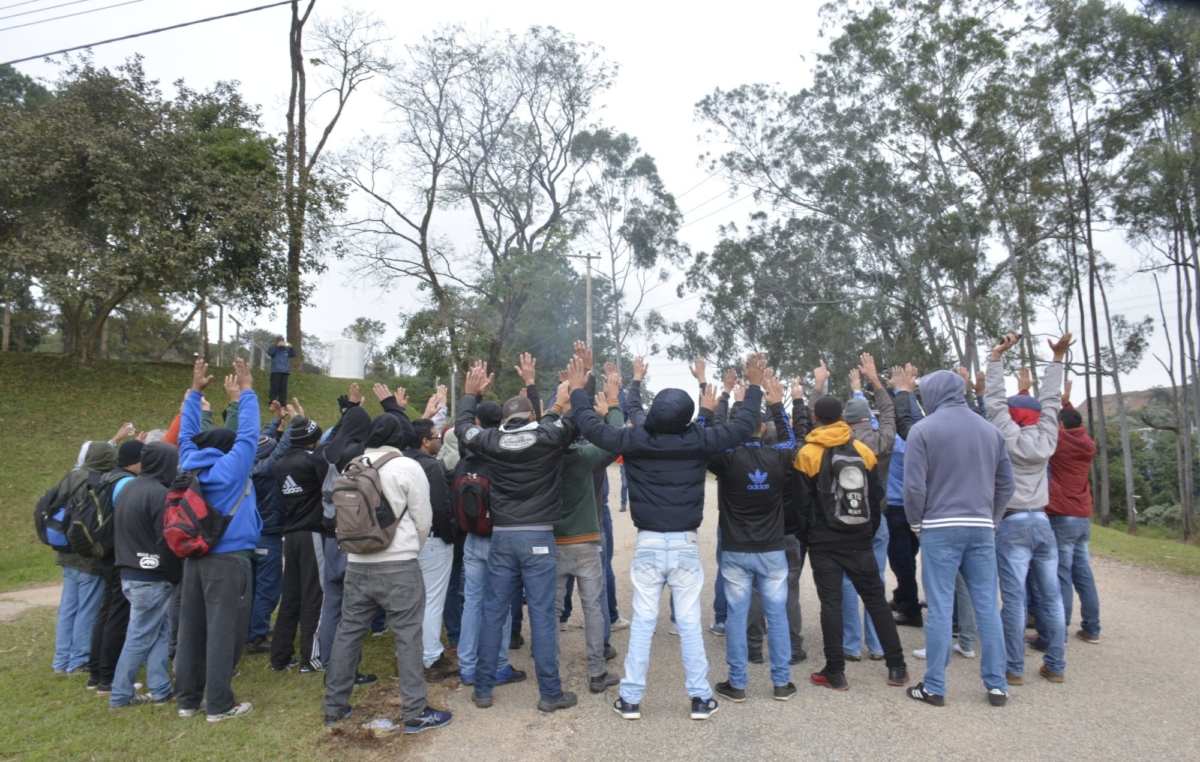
point(296, 181)
point(1123, 419)
point(1183, 292)
point(7, 329)
point(104, 338)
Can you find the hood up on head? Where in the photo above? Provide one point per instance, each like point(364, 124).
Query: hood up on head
point(219, 438)
point(942, 388)
point(160, 461)
point(671, 412)
point(101, 458)
point(386, 432)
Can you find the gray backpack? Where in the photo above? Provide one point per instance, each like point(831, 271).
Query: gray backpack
point(366, 522)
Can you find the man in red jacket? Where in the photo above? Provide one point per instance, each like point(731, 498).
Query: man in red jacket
point(1070, 513)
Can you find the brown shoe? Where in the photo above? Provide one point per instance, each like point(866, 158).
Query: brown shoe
point(1014, 679)
point(1054, 677)
point(440, 670)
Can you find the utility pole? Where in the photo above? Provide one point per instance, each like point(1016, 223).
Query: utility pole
point(221, 334)
point(589, 257)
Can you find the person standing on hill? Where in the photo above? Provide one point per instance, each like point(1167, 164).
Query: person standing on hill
point(217, 587)
point(281, 368)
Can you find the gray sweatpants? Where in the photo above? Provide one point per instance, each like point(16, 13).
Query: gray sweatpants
point(583, 561)
point(398, 587)
point(214, 616)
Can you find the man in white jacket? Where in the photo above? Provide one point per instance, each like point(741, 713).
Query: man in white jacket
point(391, 579)
point(1025, 542)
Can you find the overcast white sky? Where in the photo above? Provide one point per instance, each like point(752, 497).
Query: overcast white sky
point(669, 56)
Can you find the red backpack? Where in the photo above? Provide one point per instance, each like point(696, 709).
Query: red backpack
point(473, 503)
point(192, 527)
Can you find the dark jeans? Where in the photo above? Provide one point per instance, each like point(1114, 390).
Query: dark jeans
point(567, 605)
point(452, 615)
point(279, 383)
point(301, 603)
point(863, 570)
point(518, 610)
point(267, 569)
point(108, 636)
point(756, 626)
point(173, 616)
point(903, 547)
point(214, 617)
point(333, 575)
point(397, 587)
point(610, 580)
point(519, 559)
point(720, 606)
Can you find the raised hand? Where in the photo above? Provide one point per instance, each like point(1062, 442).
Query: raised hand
point(584, 352)
point(382, 392)
point(276, 409)
point(1024, 379)
point(868, 369)
point(478, 380)
point(1008, 342)
point(562, 398)
point(292, 412)
point(820, 376)
point(1066, 394)
point(578, 372)
point(609, 369)
point(730, 380)
point(600, 405)
point(640, 366)
point(855, 380)
point(241, 368)
point(904, 379)
point(708, 398)
point(965, 375)
point(1060, 347)
point(755, 369)
point(401, 396)
point(526, 370)
point(739, 391)
point(612, 386)
point(797, 389)
point(355, 396)
point(200, 377)
point(204, 405)
point(141, 437)
point(125, 430)
point(431, 407)
point(297, 406)
point(772, 390)
point(699, 368)
point(980, 383)
point(231, 387)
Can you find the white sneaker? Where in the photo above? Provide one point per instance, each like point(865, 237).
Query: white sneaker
point(919, 653)
point(963, 652)
point(674, 629)
point(192, 712)
point(621, 624)
point(239, 709)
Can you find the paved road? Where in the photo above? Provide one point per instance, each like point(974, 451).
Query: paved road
point(1134, 696)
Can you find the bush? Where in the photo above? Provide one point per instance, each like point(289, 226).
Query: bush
point(1161, 517)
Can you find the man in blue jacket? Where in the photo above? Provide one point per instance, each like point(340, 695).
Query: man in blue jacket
point(666, 458)
point(217, 590)
point(281, 368)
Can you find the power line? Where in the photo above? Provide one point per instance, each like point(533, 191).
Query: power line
point(69, 15)
point(41, 10)
point(151, 31)
point(18, 5)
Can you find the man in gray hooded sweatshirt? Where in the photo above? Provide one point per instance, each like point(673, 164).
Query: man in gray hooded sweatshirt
point(957, 482)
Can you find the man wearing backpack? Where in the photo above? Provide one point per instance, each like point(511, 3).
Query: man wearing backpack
point(217, 587)
point(840, 497)
point(108, 636)
point(148, 571)
point(524, 460)
point(299, 475)
point(389, 576)
point(83, 586)
point(666, 458)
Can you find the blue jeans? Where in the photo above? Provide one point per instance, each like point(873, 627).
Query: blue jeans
point(515, 559)
point(1026, 547)
point(903, 548)
point(610, 579)
point(77, 609)
point(624, 489)
point(267, 570)
point(769, 573)
point(666, 559)
point(475, 556)
point(720, 604)
point(947, 552)
point(146, 640)
point(1075, 572)
point(454, 601)
point(968, 632)
point(605, 590)
point(852, 622)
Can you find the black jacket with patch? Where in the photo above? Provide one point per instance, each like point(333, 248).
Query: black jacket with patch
point(140, 551)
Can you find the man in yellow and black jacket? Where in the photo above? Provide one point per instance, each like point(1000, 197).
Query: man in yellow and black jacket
point(840, 497)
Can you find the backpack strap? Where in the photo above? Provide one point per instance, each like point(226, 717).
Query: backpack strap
point(238, 504)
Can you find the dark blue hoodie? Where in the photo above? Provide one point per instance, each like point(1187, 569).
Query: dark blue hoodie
point(223, 476)
point(666, 458)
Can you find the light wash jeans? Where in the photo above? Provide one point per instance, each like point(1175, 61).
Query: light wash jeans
point(852, 620)
point(666, 559)
point(1075, 572)
point(1025, 547)
point(945, 553)
point(768, 572)
point(475, 556)
point(147, 640)
point(968, 632)
point(82, 594)
point(436, 560)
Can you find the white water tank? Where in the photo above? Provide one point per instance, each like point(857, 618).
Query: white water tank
point(347, 358)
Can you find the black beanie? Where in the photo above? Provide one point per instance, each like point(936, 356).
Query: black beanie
point(130, 453)
point(489, 414)
point(219, 438)
point(305, 431)
point(828, 409)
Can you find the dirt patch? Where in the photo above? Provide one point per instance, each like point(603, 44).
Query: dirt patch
point(16, 602)
point(351, 739)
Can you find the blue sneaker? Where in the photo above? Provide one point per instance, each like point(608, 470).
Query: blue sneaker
point(509, 675)
point(429, 719)
point(717, 628)
point(466, 678)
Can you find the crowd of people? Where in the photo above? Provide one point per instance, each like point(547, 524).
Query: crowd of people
point(186, 548)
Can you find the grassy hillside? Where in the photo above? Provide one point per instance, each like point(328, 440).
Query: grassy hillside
point(50, 405)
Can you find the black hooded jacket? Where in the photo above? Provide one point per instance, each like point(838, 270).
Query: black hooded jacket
point(667, 456)
point(141, 553)
point(440, 488)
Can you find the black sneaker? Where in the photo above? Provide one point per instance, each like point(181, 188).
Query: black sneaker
point(997, 697)
point(897, 675)
point(835, 680)
point(626, 710)
point(904, 620)
point(333, 720)
point(165, 699)
point(610, 653)
point(517, 641)
point(482, 702)
point(785, 692)
point(601, 683)
point(726, 690)
point(309, 669)
point(368, 679)
point(564, 700)
point(702, 709)
point(260, 645)
point(798, 655)
point(852, 657)
point(755, 657)
point(92, 684)
point(918, 693)
point(429, 719)
point(104, 689)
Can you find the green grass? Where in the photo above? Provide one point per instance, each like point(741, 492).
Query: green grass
point(50, 405)
point(49, 717)
point(1156, 552)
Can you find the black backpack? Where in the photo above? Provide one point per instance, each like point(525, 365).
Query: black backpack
point(90, 531)
point(472, 498)
point(842, 487)
point(51, 519)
